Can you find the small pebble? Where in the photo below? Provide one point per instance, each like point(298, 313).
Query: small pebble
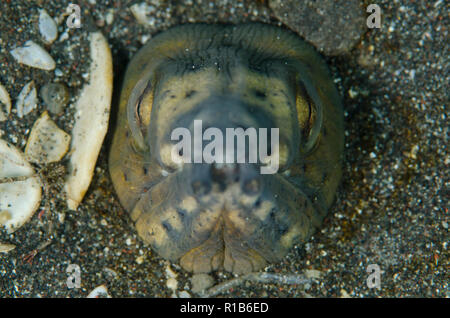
point(112, 273)
point(140, 260)
point(144, 38)
point(184, 294)
point(99, 292)
point(47, 27)
point(170, 273)
point(33, 55)
point(344, 294)
point(27, 100)
point(143, 13)
point(313, 273)
point(414, 151)
point(64, 36)
point(109, 16)
point(172, 282)
point(55, 97)
point(201, 282)
point(58, 72)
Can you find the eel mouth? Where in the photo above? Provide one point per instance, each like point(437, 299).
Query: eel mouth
point(224, 227)
point(204, 234)
point(224, 249)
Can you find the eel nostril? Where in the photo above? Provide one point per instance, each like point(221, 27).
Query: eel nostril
point(224, 173)
point(200, 188)
point(252, 186)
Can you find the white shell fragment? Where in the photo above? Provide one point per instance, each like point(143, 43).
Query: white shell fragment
point(5, 103)
point(27, 100)
point(47, 142)
point(99, 292)
point(33, 55)
point(47, 27)
point(172, 282)
point(313, 273)
point(20, 188)
point(143, 13)
point(5, 248)
point(91, 121)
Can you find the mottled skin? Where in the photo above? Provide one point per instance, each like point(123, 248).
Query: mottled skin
point(254, 75)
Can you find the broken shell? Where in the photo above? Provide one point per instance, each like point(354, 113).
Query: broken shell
point(47, 142)
point(27, 99)
point(172, 282)
point(184, 294)
point(313, 273)
point(5, 248)
point(55, 96)
point(20, 188)
point(91, 121)
point(99, 292)
point(143, 13)
point(109, 16)
point(33, 55)
point(5, 103)
point(47, 27)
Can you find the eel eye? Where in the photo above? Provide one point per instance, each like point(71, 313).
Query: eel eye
point(309, 113)
point(139, 109)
